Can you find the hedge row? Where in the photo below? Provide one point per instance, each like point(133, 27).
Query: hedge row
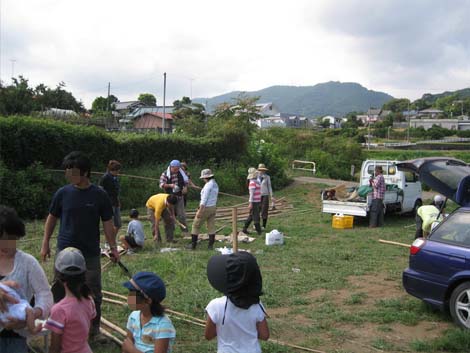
point(25, 140)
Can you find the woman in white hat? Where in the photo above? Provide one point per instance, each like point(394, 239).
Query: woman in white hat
point(254, 187)
point(266, 192)
point(206, 210)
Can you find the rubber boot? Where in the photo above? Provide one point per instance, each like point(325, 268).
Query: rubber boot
point(258, 228)
point(245, 228)
point(265, 220)
point(210, 246)
point(193, 244)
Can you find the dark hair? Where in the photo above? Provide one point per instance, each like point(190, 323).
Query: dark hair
point(172, 199)
point(77, 159)
point(156, 308)
point(114, 165)
point(76, 284)
point(10, 223)
point(134, 213)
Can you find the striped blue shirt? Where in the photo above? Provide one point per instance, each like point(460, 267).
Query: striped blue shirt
point(159, 327)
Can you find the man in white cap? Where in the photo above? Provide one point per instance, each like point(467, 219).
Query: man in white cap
point(427, 215)
point(173, 180)
point(207, 209)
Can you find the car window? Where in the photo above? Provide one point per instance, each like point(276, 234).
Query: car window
point(387, 169)
point(455, 230)
point(410, 177)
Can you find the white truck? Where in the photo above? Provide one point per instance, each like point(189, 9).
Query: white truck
point(404, 197)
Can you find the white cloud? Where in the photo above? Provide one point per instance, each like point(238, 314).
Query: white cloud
point(210, 47)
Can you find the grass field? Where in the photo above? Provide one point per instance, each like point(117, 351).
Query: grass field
point(325, 289)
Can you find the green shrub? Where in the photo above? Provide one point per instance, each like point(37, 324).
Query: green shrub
point(29, 191)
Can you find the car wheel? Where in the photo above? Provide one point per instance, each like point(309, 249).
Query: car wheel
point(459, 305)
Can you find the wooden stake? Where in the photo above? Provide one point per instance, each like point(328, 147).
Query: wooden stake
point(394, 243)
point(234, 230)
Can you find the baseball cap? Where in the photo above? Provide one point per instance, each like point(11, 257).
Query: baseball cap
point(175, 163)
point(149, 284)
point(70, 261)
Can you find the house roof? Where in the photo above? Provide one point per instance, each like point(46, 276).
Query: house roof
point(127, 105)
point(168, 116)
point(147, 110)
point(431, 111)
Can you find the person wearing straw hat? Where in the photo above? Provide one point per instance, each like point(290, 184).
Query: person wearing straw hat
point(206, 211)
point(237, 319)
point(266, 192)
point(254, 187)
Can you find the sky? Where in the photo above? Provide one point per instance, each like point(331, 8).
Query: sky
point(210, 47)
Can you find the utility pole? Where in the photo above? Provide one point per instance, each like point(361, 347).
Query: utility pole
point(164, 98)
point(109, 90)
point(12, 68)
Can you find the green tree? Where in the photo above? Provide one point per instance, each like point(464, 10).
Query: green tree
point(352, 122)
point(100, 104)
point(46, 98)
point(148, 99)
point(16, 98)
point(190, 118)
point(397, 105)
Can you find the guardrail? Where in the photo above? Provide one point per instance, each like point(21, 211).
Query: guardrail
point(296, 163)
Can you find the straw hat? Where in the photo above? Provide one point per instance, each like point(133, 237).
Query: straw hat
point(206, 173)
point(262, 167)
point(252, 173)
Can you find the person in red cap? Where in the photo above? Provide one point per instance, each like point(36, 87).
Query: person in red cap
point(237, 319)
point(148, 328)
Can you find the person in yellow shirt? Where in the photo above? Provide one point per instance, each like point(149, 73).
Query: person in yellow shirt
point(427, 215)
point(162, 206)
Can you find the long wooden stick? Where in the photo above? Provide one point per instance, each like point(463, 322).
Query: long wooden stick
point(111, 336)
point(295, 346)
point(114, 294)
point(108, 300)
point(114, 327)
point(394, 243)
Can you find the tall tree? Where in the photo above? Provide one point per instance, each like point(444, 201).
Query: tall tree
point(148, 99)
point(16, 98)
point(100, 104)
point(397, 105)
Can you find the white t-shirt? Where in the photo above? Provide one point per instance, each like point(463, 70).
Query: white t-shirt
point(238, 334)
point(136, 230)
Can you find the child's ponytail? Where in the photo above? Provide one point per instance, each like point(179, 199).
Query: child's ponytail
point(76, 284)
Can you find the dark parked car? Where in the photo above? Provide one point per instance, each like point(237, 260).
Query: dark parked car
point(439, 266)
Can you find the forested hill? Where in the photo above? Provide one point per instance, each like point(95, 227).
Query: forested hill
point(330, 98)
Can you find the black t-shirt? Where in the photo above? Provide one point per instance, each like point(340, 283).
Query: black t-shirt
point(110, 184)
point(80, 212)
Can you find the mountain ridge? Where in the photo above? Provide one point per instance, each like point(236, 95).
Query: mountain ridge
point(329, 98)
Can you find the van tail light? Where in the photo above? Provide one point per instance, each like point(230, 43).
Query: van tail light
point(417, 246)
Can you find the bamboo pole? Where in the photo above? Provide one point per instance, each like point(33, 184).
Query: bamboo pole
point(114, 327)
point(295, 346)
point(113, 301)
point(114, 294)
point(234, 230)
point(394, 243)
point(111, 336)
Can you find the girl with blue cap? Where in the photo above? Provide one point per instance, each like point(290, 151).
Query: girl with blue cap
point(148, 328)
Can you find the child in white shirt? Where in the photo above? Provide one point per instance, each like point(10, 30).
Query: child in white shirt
point(237, 319)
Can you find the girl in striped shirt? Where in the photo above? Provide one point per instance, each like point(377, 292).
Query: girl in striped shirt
point(254, 187)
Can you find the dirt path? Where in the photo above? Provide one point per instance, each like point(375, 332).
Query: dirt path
point(427, 195)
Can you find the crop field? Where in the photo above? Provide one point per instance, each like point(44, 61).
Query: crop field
point(325, 289)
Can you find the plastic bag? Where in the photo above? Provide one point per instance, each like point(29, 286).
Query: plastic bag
point(274, 237)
